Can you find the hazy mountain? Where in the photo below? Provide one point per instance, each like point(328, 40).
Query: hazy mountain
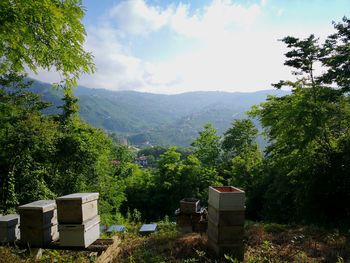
point(156, 118)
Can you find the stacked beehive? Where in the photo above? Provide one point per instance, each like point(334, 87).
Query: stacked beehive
point(9, 228)
point(38, 222)
point(190, 217)
point(226, 220)
point(78, 219)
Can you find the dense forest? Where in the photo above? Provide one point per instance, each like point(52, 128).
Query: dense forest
point(147, 119)
point(302, 176)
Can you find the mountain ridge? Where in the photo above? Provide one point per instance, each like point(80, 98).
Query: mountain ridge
point(157, 119)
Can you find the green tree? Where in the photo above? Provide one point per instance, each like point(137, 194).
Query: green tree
point(206, 147)
point(307, 131)
point(243, 161)
point(239, 137)
point(27, 142)
point(40, 156)
point(139, 191)
point(44, 34)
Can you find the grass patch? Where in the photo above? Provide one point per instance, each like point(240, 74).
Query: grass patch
point(266, 243)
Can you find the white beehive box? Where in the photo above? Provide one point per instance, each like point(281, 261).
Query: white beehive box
point(9, 231)
point(77, 208)
point(38, 214)
point(226, 198)
point(80, 235)
point(38, 222)
point(39, 237)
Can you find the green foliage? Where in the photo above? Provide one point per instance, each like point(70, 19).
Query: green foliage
point(240, 137)
point(27, 141)
point(43, 34)
point(173, 179)
point(306, 162)
point(42, 157)
point(302, 177)
point(206, 146)
point(139, 186)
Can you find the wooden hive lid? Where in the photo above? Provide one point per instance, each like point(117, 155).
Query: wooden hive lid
point(83, 197)
point(9, 220)
point(43, 205)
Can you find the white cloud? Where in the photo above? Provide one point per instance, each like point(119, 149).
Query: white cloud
point(136, 17)
point(280, 11)
point(263, 2)
point(115, 67)
point(207, 67)
point(233, 53)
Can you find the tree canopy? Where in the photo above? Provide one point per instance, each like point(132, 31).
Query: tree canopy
point(309, 132)
point(44, 34)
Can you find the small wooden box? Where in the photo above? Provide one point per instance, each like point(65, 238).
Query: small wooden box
point(226, 198)
point(189, 205)
point(200, 227)
point(80, 235)
point(9, 231)
point(77, 208)
point(183, 220)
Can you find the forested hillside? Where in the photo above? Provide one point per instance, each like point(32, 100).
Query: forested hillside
point(155, 118)
point(301, 178)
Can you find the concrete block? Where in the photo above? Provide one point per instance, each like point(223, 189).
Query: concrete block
point(77, 208)
point(80, 235)
point(9, 231)
point(226, 218)
point(226, 198)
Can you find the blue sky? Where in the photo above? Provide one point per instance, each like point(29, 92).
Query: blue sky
point(179, 46)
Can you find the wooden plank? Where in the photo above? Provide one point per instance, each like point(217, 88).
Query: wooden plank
point(98, 246)
point(111, 253)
